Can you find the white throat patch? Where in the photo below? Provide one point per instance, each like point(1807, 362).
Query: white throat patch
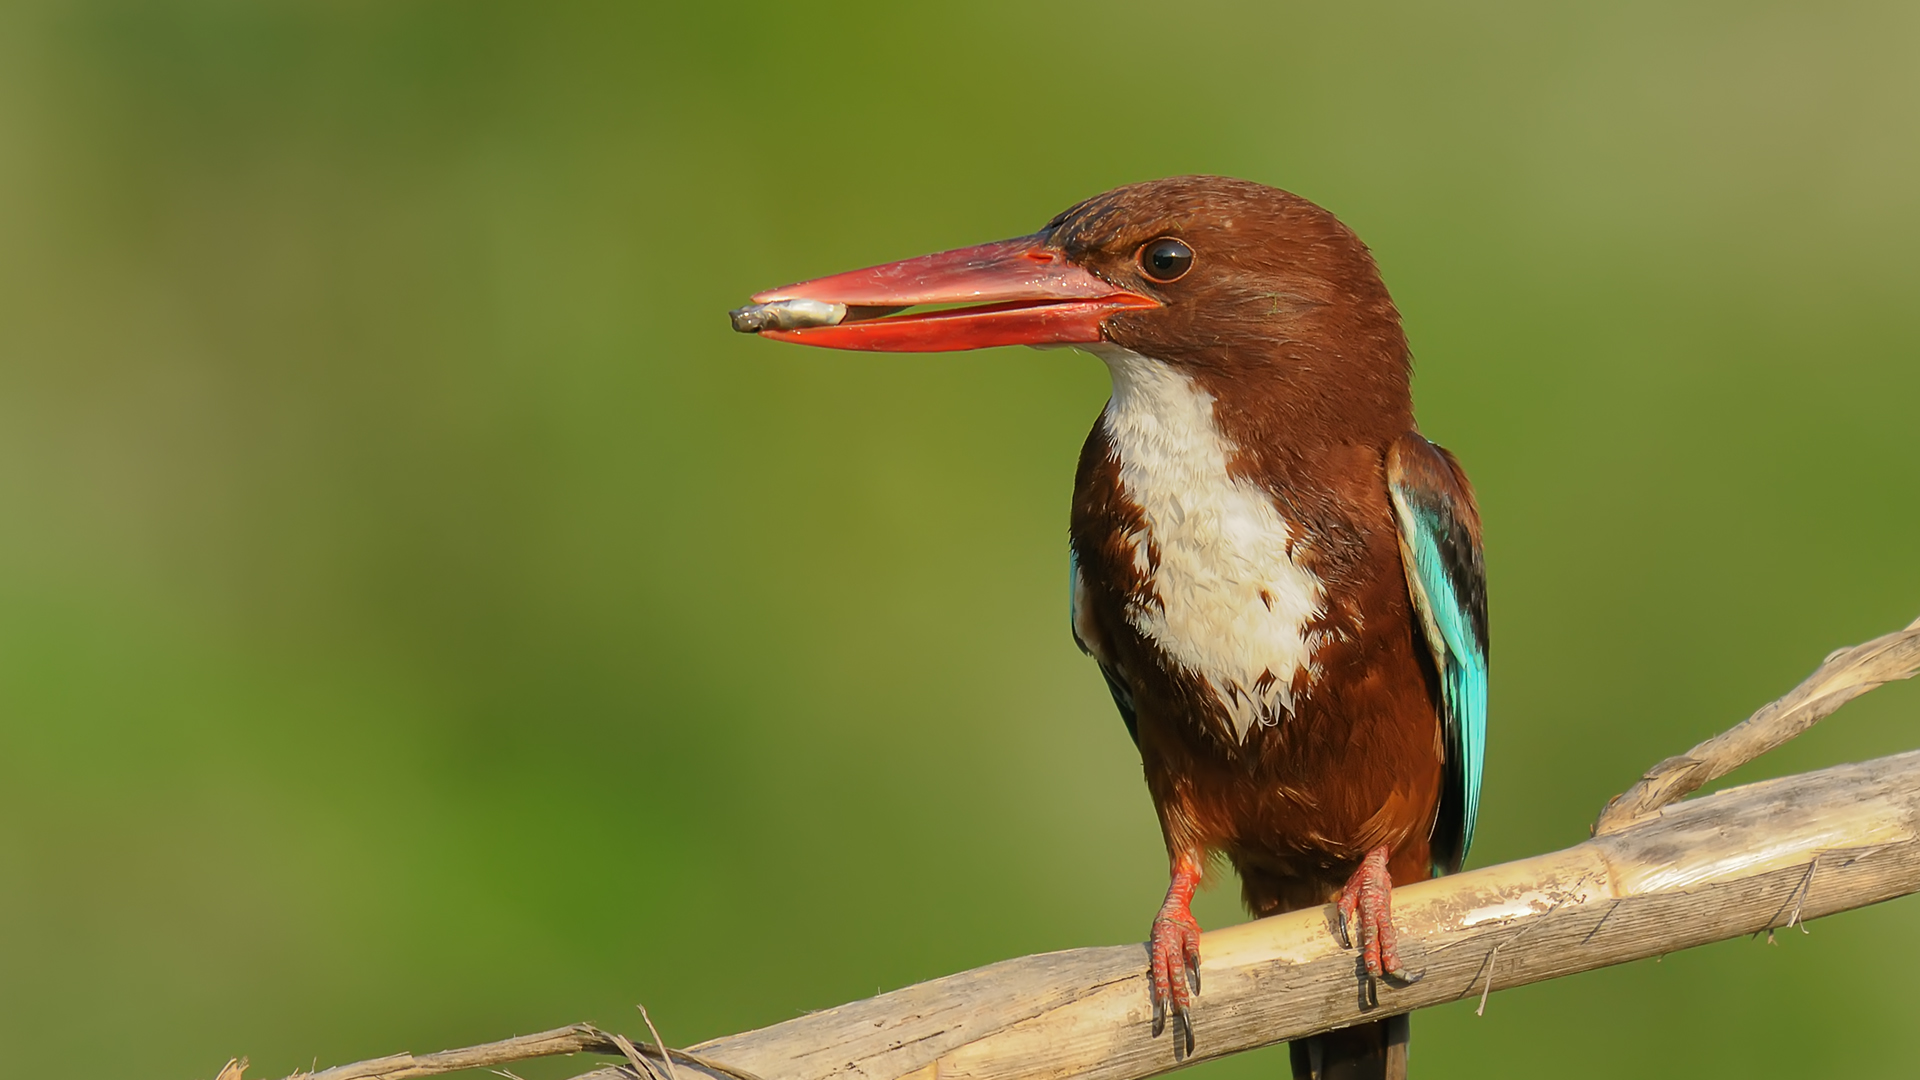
point(1233, 607)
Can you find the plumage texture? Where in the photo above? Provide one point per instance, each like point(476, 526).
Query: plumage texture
point(1285, 326)
point(1280, 578)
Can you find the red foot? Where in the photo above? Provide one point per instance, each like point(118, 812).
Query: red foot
point(1367, 904)
point(1174, 952)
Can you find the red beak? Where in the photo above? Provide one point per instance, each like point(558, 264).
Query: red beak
point(1017, 292)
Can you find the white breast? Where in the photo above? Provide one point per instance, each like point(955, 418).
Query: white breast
point(1233, 607)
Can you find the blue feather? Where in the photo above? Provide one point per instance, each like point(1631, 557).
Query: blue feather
point(1464, 680)
point(1439, 529)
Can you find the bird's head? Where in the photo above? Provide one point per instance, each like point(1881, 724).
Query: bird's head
point(1220, 278)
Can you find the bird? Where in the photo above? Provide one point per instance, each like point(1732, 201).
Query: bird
point(1280, 578)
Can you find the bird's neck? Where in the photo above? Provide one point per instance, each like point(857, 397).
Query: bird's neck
point(1163, 425)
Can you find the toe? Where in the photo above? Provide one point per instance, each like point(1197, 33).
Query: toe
point(1390, 953)
point(1169, 986)
point(1177, 995)
point(1349, 917)
point(1162, 990)
point(1174, 967)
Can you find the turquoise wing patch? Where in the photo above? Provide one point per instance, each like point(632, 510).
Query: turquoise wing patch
point(1446, 576)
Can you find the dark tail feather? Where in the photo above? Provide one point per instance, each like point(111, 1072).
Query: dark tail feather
point(1376, 1051)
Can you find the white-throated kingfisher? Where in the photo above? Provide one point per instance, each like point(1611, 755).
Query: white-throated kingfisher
point(1280, 578)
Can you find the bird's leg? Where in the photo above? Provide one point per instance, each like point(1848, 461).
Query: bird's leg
point(1175, 949)
point(1366, 904)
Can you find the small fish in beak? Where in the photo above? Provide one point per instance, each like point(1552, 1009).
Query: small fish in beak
point(786, 315)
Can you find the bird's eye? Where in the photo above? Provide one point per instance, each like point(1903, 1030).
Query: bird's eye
point(1165, 259)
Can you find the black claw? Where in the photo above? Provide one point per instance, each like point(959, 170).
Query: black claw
point(1340, 928)
point(1159, 1016)
point(1186, 1025)
point(1193, 973)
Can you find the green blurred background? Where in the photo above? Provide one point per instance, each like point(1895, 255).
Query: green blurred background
point(422, 620)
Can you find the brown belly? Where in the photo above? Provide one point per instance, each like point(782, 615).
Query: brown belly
point(1300, 803)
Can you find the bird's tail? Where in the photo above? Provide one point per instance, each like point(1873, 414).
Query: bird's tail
point(1375, 1051)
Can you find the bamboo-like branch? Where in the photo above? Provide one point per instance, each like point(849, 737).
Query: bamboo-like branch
point(572, 1039)
point(1846, 674)
point(1656, 878)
